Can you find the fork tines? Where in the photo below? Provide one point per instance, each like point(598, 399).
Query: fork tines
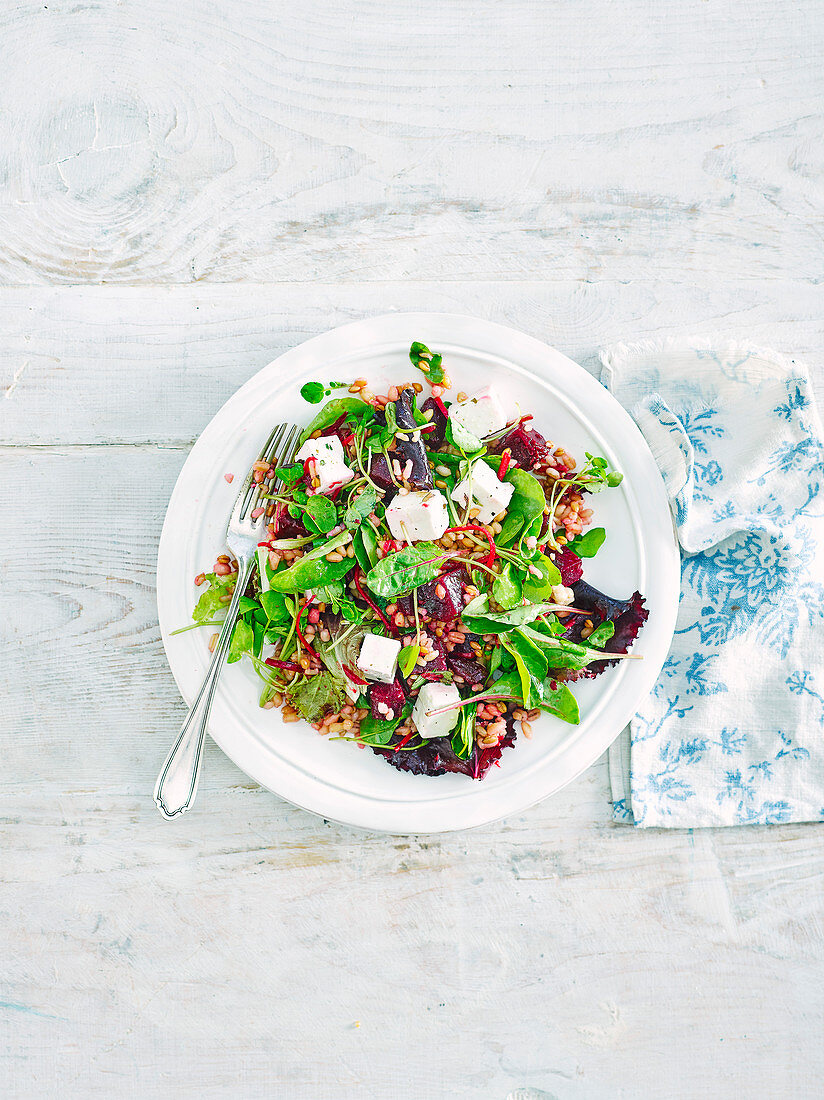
point(277, 451)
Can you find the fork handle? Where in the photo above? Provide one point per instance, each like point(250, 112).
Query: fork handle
point(177, 783)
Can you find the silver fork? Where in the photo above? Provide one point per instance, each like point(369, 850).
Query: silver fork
point(176, 785)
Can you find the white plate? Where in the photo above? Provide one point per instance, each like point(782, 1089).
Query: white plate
point(337, 779)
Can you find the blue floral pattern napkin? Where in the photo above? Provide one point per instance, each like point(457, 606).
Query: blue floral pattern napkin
point(733, 733)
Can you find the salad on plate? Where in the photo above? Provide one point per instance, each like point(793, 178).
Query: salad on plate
point(420, 591)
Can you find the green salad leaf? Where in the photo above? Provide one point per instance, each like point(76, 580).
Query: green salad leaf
point(432, 364)
point(463, 740)
point(359, 508)
point(405, 569)
point(243, 640)
point(313, 392)
point(525, 507)
point(462, 437)
point(378, 731)
point(210, 603)
point(315, 696)
point(588, 544)
point(507, 590)
point(333, 410)
point(320, 514)
point(540, 588)
point(559, 701)
point(407, 659)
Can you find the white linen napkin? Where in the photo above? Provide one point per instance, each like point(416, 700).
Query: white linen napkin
point(733, 732)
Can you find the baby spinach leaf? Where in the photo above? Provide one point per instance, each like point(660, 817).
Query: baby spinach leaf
point(540, 588)
point(404, 570)
point(320, 514)
point(366, 546)
point(525, 507)
point(434, 370)
point(289, 475)
point(246, 604)
point(601, 635)
point(313, 392)
point(479, 620)
point(558, 700)
point(307, 573)
point(462, 437)
point(333, 410)
point(359, 508)
point(276, 607)
point(588, 544)
point(523, 674)
point(407, 659)
point(315, 696)
point(243, 640)
point(378, 731)
point(507, 590)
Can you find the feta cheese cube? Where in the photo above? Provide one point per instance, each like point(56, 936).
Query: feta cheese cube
point(562, 594)
point(491, 495)
point(329, 465)
point(378, 658)
point(418, 516)
point(431, 697)
point(482, 414)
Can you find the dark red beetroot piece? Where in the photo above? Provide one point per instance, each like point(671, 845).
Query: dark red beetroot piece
point(438, 757)
point(391, 695)
point(570, 566)
point(405, 449)
point(463, 662)
point(440, 415)
point(434, 669)
point(525, 445)
point(379, 472)
point(445, 608)
point(288, 527)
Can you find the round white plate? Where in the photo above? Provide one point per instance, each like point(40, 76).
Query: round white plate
point(337, 779)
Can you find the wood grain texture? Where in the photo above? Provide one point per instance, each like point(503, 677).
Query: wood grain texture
point(588, 173)
point(370, 140)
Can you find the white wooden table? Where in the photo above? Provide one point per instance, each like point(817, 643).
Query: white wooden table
point(186, 190)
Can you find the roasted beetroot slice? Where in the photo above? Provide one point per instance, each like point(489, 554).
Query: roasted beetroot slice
point(438, 757)
point(434, 669)
point(433, 607)
point(440, 415)
point(408, 449)
point(289, 527)
point(379, 472)
point(570, 566)
point(463, 662)
point(391, 695)
point(525, 445)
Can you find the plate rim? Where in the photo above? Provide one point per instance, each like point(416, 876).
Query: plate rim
point(359, 337)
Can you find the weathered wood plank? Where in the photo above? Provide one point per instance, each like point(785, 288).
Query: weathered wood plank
point(385, 141)
point(143, 365)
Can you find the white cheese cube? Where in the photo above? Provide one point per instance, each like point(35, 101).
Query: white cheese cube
point(431, 697)
point(482, 414)
point(329, 465)
point(563, 595)
point(418, 516)
point(491, 495)
point(378, 659)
